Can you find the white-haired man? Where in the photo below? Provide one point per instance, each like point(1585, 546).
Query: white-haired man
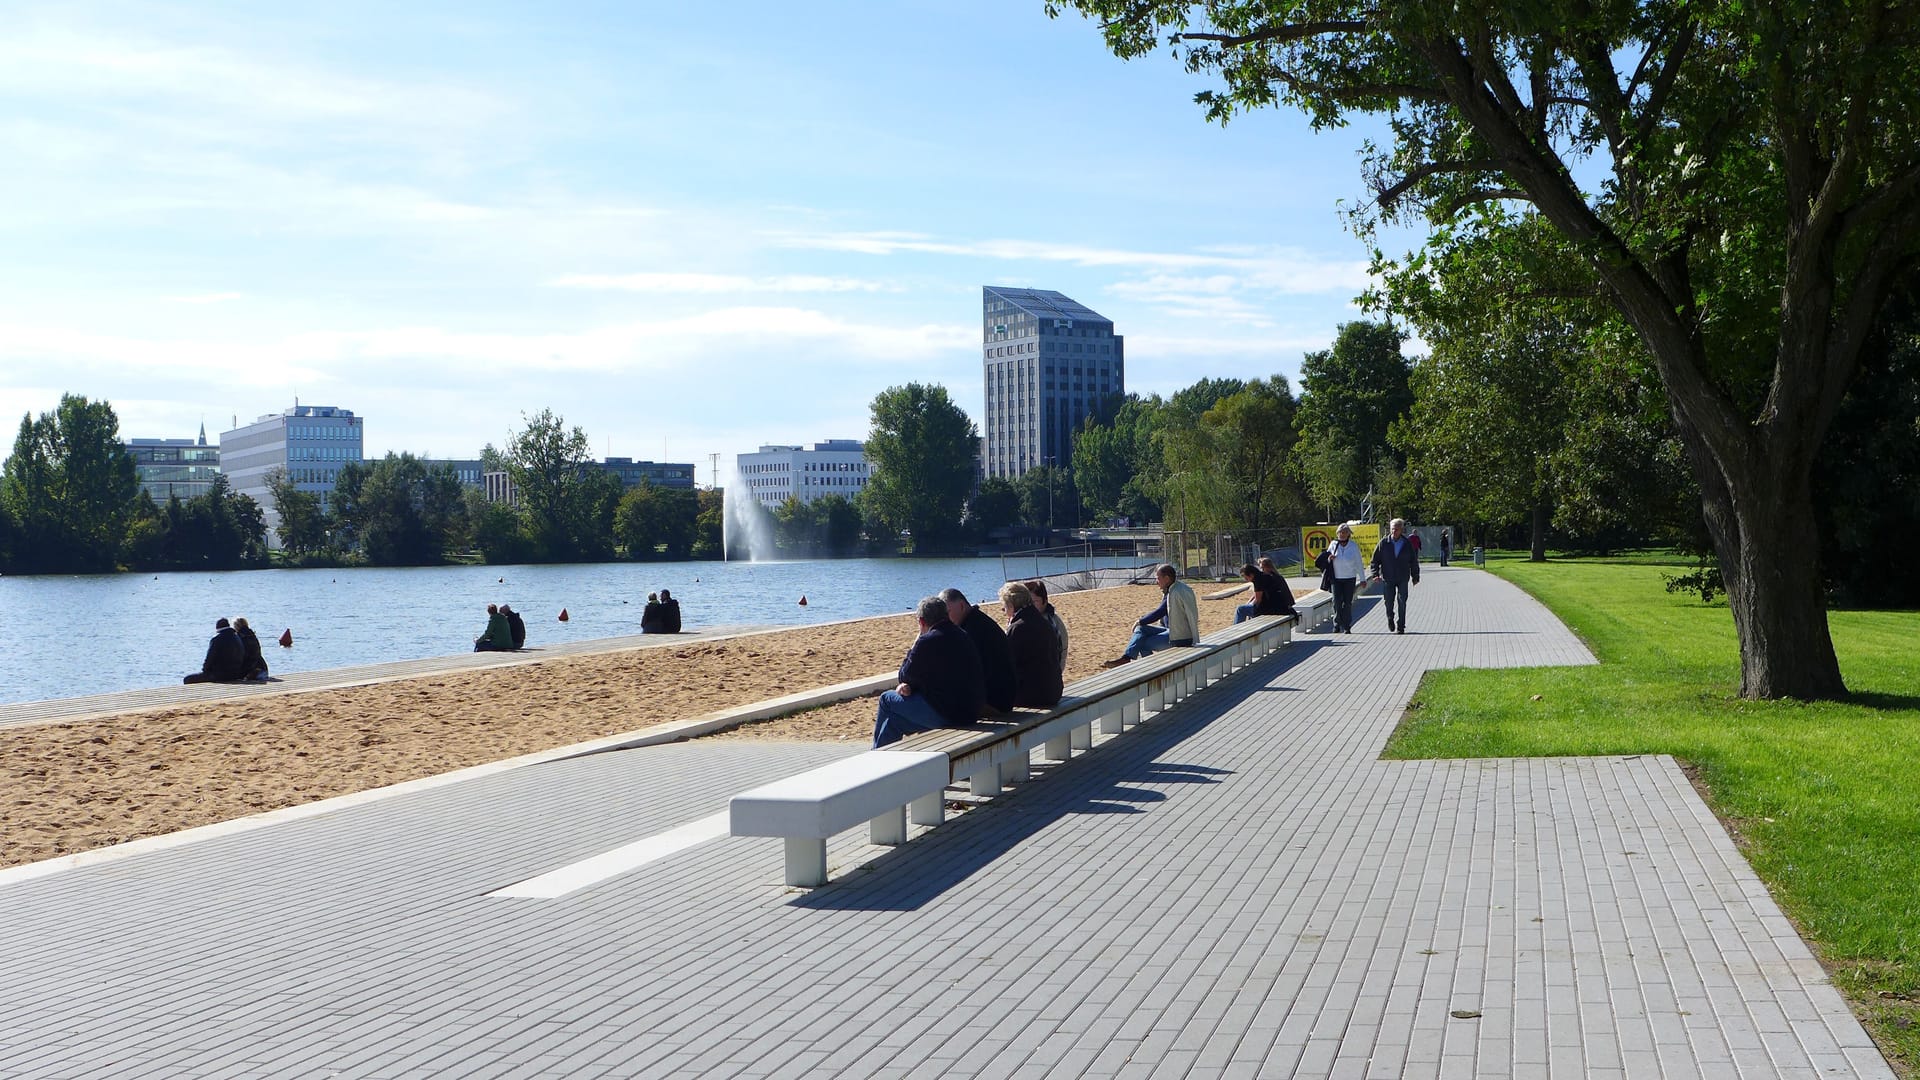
point(1396, 564)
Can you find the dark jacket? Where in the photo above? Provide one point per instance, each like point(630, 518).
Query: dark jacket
point(1396, 569)
point(669, 616)
point(1036, 669)
point(517, 628)
point(650, 618)
point(252, 664)
point(1276, 598)
point(944, 667)
point(226, 657)
point(996, 664)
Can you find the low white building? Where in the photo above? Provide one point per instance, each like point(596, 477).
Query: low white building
point(311, 442)
point(834, 467)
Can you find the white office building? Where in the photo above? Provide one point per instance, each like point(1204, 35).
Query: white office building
point(835, 467)
point(311, 442)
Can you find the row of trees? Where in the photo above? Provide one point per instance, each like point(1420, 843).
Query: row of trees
point(1733, 188)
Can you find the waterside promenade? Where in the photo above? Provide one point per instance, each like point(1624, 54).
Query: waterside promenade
point(1240, 887)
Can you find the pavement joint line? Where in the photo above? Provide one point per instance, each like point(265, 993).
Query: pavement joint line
point(576, 876)
point(670, 731)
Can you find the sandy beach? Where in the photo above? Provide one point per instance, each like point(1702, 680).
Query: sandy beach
point(74, 786)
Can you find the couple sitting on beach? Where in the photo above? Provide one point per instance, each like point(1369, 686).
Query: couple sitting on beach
point(963, 666)
point(505, 632)
point(232, 656)
point(661, 615)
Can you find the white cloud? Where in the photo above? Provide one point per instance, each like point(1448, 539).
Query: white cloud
point(719, 283)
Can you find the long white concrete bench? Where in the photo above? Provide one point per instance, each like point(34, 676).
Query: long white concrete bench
point(908, 780)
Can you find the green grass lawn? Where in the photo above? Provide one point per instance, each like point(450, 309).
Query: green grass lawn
point(1824, 798)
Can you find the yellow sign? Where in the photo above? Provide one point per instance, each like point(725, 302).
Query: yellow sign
point(1315, 539)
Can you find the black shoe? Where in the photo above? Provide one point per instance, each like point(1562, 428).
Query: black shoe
point(1390, 626)
point(1402, 629)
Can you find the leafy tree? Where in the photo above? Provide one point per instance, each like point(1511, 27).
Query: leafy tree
point(921, 447)
point(1350, 395)
point(303, 527)
point(70, 487)
point(709, 528)
point(345, 516)
point(408, 512)
point(839, 523)
point(1118, 466)
point(994, 505)
point(1045, 495)
point(564, 500)
point(656, 522)
point(1738, 179)
point(1253, 442)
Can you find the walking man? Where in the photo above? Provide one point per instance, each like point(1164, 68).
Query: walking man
point(1396, 563)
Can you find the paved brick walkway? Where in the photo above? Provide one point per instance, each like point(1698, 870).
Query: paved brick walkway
point(1238, 888)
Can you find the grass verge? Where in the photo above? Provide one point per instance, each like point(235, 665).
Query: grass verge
point(1823, 798)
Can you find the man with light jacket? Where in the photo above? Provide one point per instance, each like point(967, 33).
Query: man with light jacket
point(1179, 609)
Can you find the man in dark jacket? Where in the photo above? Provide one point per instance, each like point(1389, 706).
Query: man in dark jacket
point(516, 626)
point(1031, 645)
point(226, 657)
point(669, 613)
point(1396, 562)
point(1271, 596)
point(996, 664)
point(939, 680)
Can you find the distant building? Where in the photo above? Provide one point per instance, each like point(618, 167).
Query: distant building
point(170, 467)
point(834, 467)
point(1050, 362)
point(671, 474)
point(469, 471)
point(311, 442)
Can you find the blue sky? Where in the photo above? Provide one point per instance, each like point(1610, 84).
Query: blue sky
point(688, 229)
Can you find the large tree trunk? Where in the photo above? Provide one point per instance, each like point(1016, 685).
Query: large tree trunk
point(1540, 514)
point(1760, 516)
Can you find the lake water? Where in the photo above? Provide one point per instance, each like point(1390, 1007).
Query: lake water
point(70, 636)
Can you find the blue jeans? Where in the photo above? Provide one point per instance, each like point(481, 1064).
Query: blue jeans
point(1244, 612)
point(1146, 641)
point(898, 717)
point(1393, 590)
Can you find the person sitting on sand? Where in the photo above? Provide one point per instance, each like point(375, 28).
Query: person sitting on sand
point(226, 657)
point(650, 615)
point(669, 613)
point(1030, 645)
point(1038, 590)
point(940, 683)
point(990, 641)
point(516, 626)
point(498, 636)
point(254, 667)
point(1178, 609)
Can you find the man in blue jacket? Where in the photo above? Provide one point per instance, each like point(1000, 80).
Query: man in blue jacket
point(1396, 562)
point(940, 680)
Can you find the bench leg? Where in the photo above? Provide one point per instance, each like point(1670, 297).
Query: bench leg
point(1156, 697)
point(1130, 714)
point(806, 862)
point(1082, 737)
point(928, 809)
point(986, 781)
point(1020, 769)
point(889, 828)
point(1110, 724)
point(1059, 749)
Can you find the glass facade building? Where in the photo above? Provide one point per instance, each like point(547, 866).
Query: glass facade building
point(1050, 363)
point(175, 467)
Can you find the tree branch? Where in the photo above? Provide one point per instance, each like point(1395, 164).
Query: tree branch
point(1392, 193)
point(1283, 33)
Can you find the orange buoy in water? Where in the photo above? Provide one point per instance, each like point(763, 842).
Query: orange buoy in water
point(286, 638)
point(803, 601)
point(563, 614)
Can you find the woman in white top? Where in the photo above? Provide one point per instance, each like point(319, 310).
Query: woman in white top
point(1346, 566)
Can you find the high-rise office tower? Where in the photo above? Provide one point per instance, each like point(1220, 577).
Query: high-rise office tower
point(1050, 363)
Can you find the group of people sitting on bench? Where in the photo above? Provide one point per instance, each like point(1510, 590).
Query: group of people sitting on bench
point(963, 666)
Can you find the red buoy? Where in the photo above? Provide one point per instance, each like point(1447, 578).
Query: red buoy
point(803, 600)
point(563, 614)
point(286, 638)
